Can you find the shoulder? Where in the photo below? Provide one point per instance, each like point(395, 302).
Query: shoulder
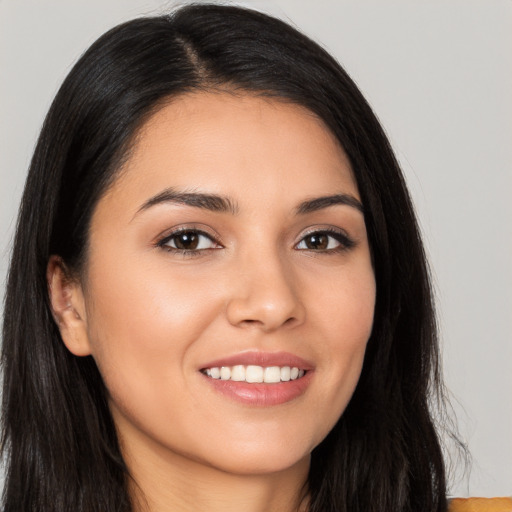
point(480, 505)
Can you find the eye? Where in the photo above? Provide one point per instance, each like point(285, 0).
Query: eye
point(188, 240)
point(325, 241)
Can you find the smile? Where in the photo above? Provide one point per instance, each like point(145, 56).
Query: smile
point(255, 374)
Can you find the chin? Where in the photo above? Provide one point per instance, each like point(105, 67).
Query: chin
point(265, 456)
point(257, 464)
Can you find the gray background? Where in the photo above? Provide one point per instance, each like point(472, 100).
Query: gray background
point(439, 75)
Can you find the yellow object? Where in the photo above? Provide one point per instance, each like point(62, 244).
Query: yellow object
point(480, 505)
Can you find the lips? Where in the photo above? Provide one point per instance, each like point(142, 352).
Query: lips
point(264, 359)
point(259, 378)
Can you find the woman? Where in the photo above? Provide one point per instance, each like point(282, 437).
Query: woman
point(225, 301)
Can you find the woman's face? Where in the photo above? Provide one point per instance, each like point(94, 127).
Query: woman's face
point(232, 242)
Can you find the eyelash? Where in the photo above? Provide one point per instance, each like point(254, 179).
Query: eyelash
point(187, 252)
point(344, 241)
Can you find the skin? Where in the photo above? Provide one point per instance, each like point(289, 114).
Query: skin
point(152, 317)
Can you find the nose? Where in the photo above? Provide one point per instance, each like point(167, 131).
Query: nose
point(265, 295)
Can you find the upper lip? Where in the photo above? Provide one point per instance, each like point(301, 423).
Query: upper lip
point(264, 359)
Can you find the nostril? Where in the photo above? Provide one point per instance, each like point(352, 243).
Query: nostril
point(248, 321)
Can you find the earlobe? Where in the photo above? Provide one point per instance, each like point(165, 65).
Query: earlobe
point(68, 307)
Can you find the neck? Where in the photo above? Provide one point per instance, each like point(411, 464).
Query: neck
point(172, 483)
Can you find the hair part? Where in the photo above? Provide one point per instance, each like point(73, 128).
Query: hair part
point(58, 437)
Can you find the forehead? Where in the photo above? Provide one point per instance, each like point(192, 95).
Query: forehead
point(235, 145)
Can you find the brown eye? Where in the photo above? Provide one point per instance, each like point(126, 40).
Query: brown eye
point(188, 241)
point(325, 241)
point(317, 241)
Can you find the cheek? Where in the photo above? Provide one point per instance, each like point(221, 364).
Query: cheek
point(344, 306)
point(144, 317)
point(134, 298)
point(342, 317)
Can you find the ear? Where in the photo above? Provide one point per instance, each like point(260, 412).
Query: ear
point(68, 307)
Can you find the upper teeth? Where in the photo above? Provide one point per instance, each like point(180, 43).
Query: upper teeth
point(241, 373)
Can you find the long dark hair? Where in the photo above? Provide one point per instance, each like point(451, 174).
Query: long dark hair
point(58, 439)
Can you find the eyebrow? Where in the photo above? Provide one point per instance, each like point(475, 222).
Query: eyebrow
point(204, 201)
point(320, 203)
point(222, 204)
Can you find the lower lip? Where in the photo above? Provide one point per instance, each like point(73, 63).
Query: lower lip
point(262, 395)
